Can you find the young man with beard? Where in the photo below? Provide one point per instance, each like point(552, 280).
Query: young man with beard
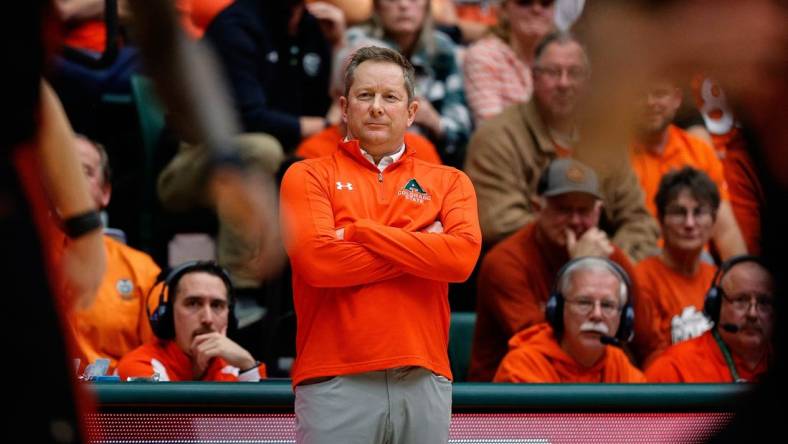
point(191, 325)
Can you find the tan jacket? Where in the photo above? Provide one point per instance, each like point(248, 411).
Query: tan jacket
point(508, 153)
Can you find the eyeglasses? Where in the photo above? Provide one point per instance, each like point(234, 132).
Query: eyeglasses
point(574, 73)
point(680, 214)
point(764, 304)
point(526, 3)
point(584, 306)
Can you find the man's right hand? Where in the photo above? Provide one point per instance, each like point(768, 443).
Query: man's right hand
point(593, 242)
point(210, 345)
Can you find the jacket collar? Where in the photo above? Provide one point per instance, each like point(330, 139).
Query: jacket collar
point(532, 120)
point(352, 148)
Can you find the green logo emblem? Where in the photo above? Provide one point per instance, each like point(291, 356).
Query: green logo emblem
point(414, 192)
point(414, 186)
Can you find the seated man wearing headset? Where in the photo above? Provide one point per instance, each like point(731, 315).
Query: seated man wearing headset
point(740, 302)
point(588, 316)
point(191, 324)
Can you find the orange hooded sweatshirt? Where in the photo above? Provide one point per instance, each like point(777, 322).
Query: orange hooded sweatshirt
point(378, 298)
point(700, 360)
point(535, 356)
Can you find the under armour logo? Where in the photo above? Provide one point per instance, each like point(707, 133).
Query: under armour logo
point(345, 186)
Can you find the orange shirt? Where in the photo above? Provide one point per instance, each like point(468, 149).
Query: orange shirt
point(700, 360)
point(196, 15)
point(172, 364)
point(747, 198)
point(513, 285)
point(325, 143)
point(681, 149)
point(536, 357)
point(377, 299)
point(663, 294)
point(117, 321)
point(88, 34)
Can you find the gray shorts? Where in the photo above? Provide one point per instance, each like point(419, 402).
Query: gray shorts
point(397, 406)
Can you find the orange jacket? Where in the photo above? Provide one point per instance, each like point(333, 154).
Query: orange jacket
point(117, 321)
point(535, 356)
point(663, 294)
point(325, 143)
point(681, 149)
point(379, 298)
point(513, 285)
point(172, 364)
point(700, 360)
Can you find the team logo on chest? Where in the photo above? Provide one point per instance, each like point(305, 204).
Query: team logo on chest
point(125, 288)
point(414, 192)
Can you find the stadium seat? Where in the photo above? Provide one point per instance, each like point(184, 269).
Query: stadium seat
point(150, 116)
point(460, 339)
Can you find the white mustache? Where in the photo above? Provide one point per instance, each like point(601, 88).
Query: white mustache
point(596, 327)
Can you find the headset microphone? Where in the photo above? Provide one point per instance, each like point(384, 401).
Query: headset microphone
point(731, 328)
point(609, 340)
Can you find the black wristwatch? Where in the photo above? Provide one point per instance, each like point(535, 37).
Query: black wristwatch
point(82, 224)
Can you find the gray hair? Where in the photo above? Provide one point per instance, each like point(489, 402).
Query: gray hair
point(593, 263)
point(561, 38)
point(382, 55)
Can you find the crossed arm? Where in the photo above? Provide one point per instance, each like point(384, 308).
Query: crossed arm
point(370, 251)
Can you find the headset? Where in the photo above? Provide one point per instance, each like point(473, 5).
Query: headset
point(554, 309)
point(713, 301)
point(161, 319)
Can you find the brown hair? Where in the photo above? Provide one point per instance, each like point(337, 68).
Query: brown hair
point(383, 55)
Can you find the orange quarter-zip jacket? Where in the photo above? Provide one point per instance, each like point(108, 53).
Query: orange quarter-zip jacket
point(378, 298)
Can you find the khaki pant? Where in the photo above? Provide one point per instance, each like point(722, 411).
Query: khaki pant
point(397, 406)
point(182, 186)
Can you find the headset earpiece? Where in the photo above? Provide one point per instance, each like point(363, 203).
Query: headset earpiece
point(713, 301)
point(554, 309)
point(161, 319)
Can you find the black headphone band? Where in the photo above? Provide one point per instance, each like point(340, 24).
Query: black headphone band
point(555, 304)
point(617, 269)
point(161, 318)
point(731, 262)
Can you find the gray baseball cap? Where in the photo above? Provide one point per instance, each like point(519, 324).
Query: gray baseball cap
point(568, 176)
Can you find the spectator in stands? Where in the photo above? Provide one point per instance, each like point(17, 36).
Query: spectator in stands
point(93, 62)
point(464, 21)
point(515, 276)
point(326, 142)
point(498, 67)
point(374, 236)
point(659, 147)
point(191, 323)
point(508, 153)
point(726, 135)
point(407, 27)
point(738, 348)
point(673, 283)
point(278, 62)
point(588, 311)
point(117, 321)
